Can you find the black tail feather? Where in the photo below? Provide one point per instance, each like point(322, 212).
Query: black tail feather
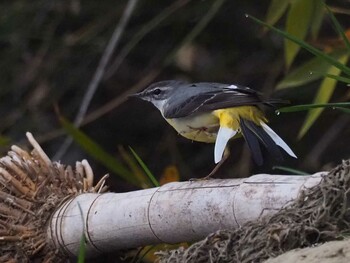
point(253, 143)
point(253, 134)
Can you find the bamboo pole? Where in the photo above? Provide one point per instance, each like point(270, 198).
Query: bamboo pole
point(173, 213)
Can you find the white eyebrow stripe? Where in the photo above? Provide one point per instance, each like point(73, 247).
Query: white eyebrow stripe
point(232, 87)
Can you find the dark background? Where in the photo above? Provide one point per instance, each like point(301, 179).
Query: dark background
point(50, 50)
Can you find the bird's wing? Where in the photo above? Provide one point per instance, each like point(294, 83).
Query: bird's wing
point(204, 97)
point(187, 106)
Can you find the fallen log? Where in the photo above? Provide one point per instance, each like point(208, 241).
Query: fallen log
point(173, 213)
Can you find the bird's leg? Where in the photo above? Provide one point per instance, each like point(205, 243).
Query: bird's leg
point(216, 168)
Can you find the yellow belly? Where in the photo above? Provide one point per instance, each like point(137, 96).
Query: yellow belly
point(230, 117)
point(204, 127)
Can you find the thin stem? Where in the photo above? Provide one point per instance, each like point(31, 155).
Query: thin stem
point(93, 85)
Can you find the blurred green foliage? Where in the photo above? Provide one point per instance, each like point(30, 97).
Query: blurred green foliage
point(304, 16)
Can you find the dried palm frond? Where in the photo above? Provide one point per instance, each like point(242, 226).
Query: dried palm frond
point(32, 187)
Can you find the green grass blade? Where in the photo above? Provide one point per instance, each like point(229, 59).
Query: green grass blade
point(82, 245)
point(135, 168)
point(305, 45)
point(82, 250)
point(345, 110)
point(289, 170)
point(338, 78)
point(144, 167)
point(97, 152)
point(339, 28)
point(305, 107)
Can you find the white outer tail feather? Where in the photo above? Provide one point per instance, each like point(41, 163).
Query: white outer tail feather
point(224, 135)
point(278, 140)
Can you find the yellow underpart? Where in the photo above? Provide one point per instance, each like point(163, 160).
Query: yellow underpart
point(230, 117)
point(204, 127)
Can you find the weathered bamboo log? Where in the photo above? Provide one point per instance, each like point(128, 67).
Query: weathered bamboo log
point(172, 213)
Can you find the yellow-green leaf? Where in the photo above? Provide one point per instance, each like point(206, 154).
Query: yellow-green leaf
point(317, 17)
point(297, 24)
point(311, 70)
point(323, 95)
point(308, 47)
point(276, 10)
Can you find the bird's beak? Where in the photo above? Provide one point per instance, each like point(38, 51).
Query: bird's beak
point(141, 95)
point(135, 95)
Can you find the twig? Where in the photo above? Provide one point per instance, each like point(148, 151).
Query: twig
point(99, 73)
point(140, 35)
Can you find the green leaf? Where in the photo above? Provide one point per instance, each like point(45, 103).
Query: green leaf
point(305, 107)
point(297, 24)
point(98, 152)
point(323, 95)
point(317, 17)
point(311, 70)
point(305, 45)
point(144, 167)
point(276, 10)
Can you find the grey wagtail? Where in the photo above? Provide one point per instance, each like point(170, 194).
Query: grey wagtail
point(215, 113)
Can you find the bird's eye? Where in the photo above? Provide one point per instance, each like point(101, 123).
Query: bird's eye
point(156, 92)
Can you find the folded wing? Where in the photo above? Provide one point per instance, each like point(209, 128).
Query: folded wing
point(204, 97)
